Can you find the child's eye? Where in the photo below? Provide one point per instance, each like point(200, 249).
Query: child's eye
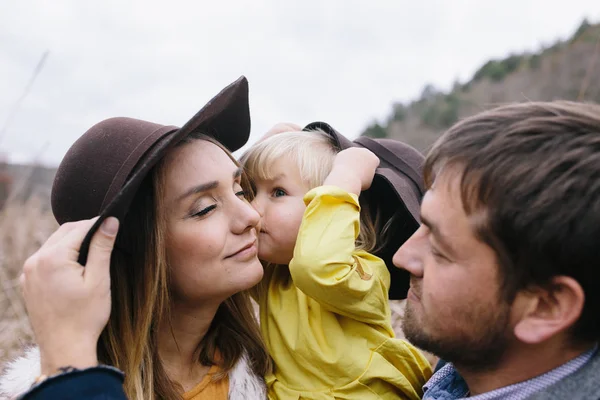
point(279, 192)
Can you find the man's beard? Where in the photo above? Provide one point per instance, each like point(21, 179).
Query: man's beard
point(479, 348)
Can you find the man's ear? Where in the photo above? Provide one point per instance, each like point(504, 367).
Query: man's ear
point(548, 310)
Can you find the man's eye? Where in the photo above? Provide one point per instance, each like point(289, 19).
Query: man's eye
point(437, 254)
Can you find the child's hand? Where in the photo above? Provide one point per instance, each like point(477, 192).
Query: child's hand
point(353, 170)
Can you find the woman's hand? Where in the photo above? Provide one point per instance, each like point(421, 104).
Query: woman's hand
point(69, 305)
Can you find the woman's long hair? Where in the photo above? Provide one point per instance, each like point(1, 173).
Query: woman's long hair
point(140, 286)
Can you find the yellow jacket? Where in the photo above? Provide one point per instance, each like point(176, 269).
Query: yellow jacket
point(326, 318)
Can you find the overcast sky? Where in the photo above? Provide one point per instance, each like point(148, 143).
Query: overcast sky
point(342, 61)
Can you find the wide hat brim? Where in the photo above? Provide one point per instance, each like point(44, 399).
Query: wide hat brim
point(397, 188)
point(226, 118)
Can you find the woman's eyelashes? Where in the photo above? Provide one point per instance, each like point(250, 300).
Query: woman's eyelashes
point(239, 192)
point(203, 211)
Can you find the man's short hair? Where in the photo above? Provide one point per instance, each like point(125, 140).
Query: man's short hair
point(530, 183)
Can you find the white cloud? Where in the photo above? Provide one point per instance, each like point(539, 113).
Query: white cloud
point(343, 61)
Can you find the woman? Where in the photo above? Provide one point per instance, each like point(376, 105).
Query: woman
point(181, 324)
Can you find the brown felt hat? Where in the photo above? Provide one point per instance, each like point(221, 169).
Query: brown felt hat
point(103, 169)
point(397, 187)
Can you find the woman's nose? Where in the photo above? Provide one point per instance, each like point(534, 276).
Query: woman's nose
point(246, 218)
point(257, 204)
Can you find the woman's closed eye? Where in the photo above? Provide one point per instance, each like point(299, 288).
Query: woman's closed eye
point(204, 211)
point(239, 191)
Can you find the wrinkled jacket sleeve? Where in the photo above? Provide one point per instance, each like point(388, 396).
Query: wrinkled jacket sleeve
point(326, 264)
point(98, 383)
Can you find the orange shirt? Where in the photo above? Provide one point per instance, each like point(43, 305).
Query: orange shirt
point(208, 389)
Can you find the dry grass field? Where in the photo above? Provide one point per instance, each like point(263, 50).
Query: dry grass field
point(23, 228)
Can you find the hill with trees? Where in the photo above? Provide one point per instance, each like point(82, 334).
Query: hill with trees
point(568, 70)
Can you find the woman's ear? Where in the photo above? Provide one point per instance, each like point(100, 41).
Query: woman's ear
point(545, 311)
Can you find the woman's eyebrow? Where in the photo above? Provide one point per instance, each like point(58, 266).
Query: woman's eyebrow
point(203, 187)
point(199, 189)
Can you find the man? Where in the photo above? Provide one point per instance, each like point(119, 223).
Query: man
point(505, 268)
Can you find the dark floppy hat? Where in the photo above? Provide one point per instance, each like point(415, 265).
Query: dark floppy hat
point(397, 188)
point(101, 172)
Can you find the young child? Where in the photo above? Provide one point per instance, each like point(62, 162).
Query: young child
point(324, 308)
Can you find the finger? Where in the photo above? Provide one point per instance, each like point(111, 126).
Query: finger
point(58, 234)
point(98, 262)
point(22, 282)
point(64, 230)
point(284, 127)
point(281, 128)
point(377, 161)
point(72, 241)
point(291, 126)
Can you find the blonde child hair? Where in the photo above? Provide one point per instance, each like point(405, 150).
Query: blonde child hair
point(313, 152)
